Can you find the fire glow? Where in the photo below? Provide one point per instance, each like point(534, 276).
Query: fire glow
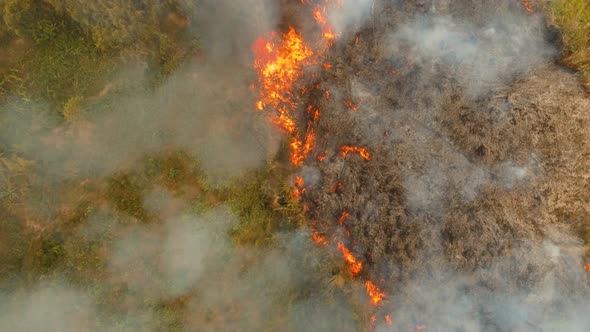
point(279, 68)
point(527, 5)
point(343, 217)
point(354, 265)
point(374, 292)
point(345, 150)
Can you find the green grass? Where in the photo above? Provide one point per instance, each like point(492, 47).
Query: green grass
point(572, 17)
point(263, 202)
point(63, 63)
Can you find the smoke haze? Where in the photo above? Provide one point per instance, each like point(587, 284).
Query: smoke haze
point(461, 215)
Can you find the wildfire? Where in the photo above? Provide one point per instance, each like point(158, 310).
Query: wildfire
point(280, 61)
point(300, 149)
point(299, 188)
point(351, 106)
point(354, 265)
point(527, 6)
point(587, 267)
point(319, 14)
point(388, 319)
point(279, 68)
point(375, 294)
point(345, 150)
point(343, 217)
point(318, 239)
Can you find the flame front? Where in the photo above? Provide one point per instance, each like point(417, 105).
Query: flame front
point(280, 61)
point(279, 68)
point(587, 267)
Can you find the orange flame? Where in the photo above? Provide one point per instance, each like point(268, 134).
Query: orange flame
point(527, 6)
point(351, 106)
point(375, 294)
point(299, 189)
point(587, 267)
point(354, 265)
point(343, 217)
point(388, 320)
point(345, 150)
point(318, 239)
point(278, 70)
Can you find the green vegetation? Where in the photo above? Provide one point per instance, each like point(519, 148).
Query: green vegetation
point(573, 19)
point(263, 202)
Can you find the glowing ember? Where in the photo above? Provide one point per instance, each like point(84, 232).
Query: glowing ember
point(388, 320)
point(318, 239)
point(587, 267)
point(375, 294)
point(351, 106)
point(345, 150)
point(343, 217)
point(299, 188)
point(527, 5)
point(354, 265)
point(313, 113)
point(337, 187)
point(373, 319)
